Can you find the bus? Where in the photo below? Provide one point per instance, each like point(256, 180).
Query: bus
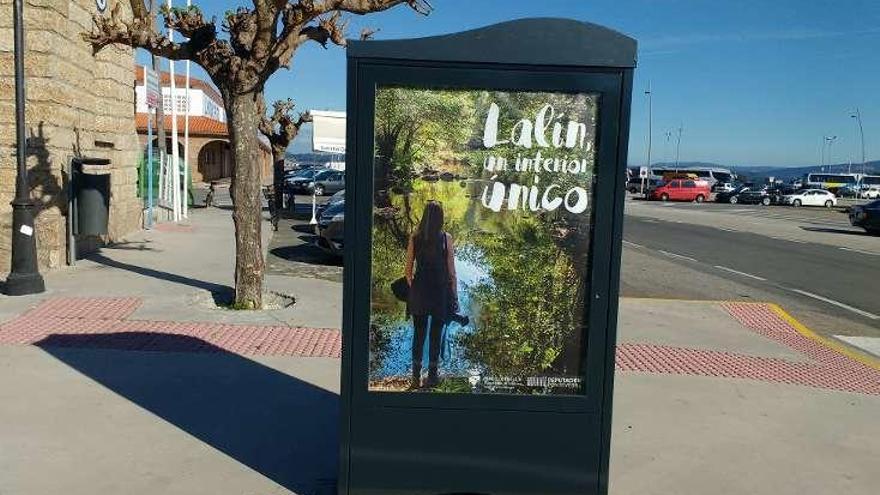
point(831, 182)
point(712, 175)
point(869, 180)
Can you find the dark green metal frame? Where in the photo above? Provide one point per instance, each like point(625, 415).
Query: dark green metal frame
point(486, 444)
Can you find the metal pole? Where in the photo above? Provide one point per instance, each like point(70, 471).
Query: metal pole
point(149, 167)
point(186, 171)
point(858, 117)
point(24, 277)
point(175, 164)
point(678, 147)
point(650, 124)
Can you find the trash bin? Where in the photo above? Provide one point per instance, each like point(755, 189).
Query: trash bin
point(92, 193)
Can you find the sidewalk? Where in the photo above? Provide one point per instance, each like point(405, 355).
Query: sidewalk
point(148, 389)
point(176, 270)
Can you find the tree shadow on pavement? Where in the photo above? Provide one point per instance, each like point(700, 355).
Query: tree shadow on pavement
point(272, 422)
point(222, 294)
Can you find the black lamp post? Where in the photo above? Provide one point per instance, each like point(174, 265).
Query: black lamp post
point(24, 278)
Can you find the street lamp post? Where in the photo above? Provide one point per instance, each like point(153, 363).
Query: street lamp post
point(858, 117)
point(829, 140)
point(650, 124)
point(24, 277)
point(678, 146)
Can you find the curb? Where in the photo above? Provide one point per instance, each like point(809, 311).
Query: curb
point(834, 345)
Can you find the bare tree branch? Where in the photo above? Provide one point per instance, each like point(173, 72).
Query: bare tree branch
point(281, 127)
point(367, 33)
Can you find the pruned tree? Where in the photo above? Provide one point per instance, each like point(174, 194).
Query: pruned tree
point(281, 127)
point(257, 42)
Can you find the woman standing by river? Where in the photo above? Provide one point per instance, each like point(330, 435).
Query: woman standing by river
point(433, 295)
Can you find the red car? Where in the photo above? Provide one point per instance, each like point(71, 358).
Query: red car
point(682, 190)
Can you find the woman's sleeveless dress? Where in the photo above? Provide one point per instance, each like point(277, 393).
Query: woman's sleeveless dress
point(429, 294)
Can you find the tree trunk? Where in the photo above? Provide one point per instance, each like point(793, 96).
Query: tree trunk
point(247, 210)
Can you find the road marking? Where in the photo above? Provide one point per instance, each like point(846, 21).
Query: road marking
point(744, 274)
point(632, 244)
point(863, 358)
point(674, 255)
point(870, 345)
point(859, 251)
point(726, 229)
point(836, 303)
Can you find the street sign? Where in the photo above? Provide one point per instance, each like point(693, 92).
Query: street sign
point(153, 93)
point(643, 172)
point(482, 254)
point(328, 131)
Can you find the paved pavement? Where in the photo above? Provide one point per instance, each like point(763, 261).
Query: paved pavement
point(292, 250)
point(181, 271)
point(806, 224)
point(125, 378)
point(720, 251)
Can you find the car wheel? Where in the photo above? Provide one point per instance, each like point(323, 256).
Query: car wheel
point(796, 202)
point(700, 198)
point(733, 200)
point(765, 201)
point(664, 197)
point(319, 190)
point(829, 204)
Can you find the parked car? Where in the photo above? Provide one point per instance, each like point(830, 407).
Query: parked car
point(731, 196)
point(848, 191)
point(867, 217)
point(723, 187)
point(811, 197)
point(330, 228)
point(327, 181)
point(332, 200)
point(634, 185)
point(754, 196)
point(779, 192)
point(682, 190)
point(300, 182)
point(870, 192)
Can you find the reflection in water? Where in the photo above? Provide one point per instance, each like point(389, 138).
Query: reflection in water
point(398, 359)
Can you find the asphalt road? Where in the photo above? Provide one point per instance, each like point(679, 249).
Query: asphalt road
point(833, 286)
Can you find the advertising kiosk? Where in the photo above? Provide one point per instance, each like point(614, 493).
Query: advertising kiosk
point(485, 173)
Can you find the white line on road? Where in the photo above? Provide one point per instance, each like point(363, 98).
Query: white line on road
point(726, 229)
point(673, 255)
point(859, 251)
point(837, 303)
point(632, 244)
point(744, 274)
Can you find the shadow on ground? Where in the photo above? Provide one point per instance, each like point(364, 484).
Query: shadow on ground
point(222, 294)
point(834, 231)
point(276, 424)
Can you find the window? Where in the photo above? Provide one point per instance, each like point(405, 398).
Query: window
point(690, 183)
point(675, 184)
point(181, 103)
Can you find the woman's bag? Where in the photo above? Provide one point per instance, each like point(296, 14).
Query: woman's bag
point(400, 289)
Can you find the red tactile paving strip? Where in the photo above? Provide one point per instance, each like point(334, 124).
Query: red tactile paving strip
point(828, 368)
point(100, 323)
point(87, 308)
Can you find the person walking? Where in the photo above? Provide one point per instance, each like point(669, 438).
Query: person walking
point(433, 296)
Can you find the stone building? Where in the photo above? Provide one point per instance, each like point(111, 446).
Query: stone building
point(76, 103)
point(210, 155)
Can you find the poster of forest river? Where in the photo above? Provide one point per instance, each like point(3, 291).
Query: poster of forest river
point(481, 238)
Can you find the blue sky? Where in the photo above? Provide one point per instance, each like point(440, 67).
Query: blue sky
point(752, 82)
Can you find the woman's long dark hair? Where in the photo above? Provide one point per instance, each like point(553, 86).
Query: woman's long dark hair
point(430, 227)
